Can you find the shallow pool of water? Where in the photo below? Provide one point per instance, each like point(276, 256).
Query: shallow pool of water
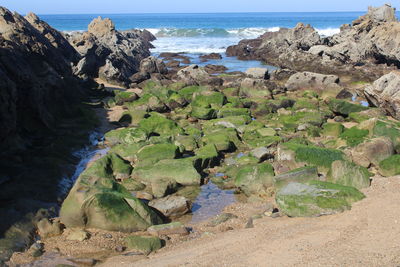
point(210, 202)
point(232, 63)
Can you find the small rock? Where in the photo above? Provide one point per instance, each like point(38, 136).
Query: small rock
point(49, 228)
point(144, 195)
point(249, 223)
point(172, 206)
point(143, 244)
point(338, 119)
point(78, 235)
point(174, 228)
point(107, 235)
point(120, 249)
point(260, 153)
point(36, 250)
point(224, 217)
point(257, 73)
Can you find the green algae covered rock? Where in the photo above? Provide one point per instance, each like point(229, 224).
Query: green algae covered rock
point(203, 113)
point(227, 112)
point(144, 244)
point(206, 157)
point(98, 201)
point(299, 175)
point(354, 136)
point(316, 198)
point(349, 174)
point(181, 171)
point(390, 166)
point(313, 155)
point(152, 154)
point(333, 129)
point(159, 124)
point(255, 179)
point(343, 107)
point(125, 136)
point(212, 99)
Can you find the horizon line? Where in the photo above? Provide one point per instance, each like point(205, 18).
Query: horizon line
point(177, 13)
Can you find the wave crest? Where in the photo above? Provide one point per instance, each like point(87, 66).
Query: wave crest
point(213, 32)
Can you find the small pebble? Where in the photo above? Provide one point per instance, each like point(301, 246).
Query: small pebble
point(249, 223)
point(120, 249)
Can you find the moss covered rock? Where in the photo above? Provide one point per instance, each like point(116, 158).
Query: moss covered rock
point(203, 113)
point(343, 107)
point(160, 125)
point(227, 112)
point(152, 154)
point(255, 179)
point(333, 129)
point(390, 166)
point(354, 136)
point(181, 171)
point(125, 136)
point(144, 244)
point(316, 198)
point(98, 201)
point(299, 175)
point(348, 174)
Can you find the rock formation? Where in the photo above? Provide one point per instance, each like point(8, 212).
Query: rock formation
point(109, 54)
point(371, 39)
point(36, 78)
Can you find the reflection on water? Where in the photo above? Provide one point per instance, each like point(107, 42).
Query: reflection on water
point(210, 202)
point(86, 155)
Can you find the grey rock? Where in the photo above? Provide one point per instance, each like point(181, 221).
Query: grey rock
point(308, 80)
point(385, 93)
point(261, 153)
point(257, 73)
point(172, 206)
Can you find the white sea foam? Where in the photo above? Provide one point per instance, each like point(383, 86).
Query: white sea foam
point(328, 31)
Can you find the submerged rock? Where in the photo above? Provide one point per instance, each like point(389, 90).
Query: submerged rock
point(316, 198)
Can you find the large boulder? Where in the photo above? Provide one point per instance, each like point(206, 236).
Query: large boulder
point(172, 206)
point(348, 174)
point(316, 198)
point(98, 201)
point(193, 74)
point(309, 80)
point(385, 93)
point(255, 179)
point(153, 65)
point(373, 151)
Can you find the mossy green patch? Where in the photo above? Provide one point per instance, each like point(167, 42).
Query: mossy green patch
point(333, 129)
point(349, 174)
point(152, 154)
point(354, 136)
point(159, 124)
point(143, 244)
point(343, 107)
point(255, 179)
point(316, 198)
point(390, 166)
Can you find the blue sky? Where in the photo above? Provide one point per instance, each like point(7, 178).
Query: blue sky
point(184, 6)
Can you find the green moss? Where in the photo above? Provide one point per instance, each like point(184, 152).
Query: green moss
point(313, 155)
point(300, 175)
point(333, 129)
point(305, 103)
point(348, 174)
point(158, 124)
point(256, 139)
point(294, 120)
point(213, 100)
point(203, 113)
point(180, 170)
point(316, 198)
point(188, 92)
point(206, 157)
point(221, 141)
point(176, 86)
point(126, 136)
point(255, 179)
point(132, 185)
point(390, 166)
point(143, 244)
point(354, 136)
point(152, 154)
point(387, 129)
point(358, 117)
point(343, 107)
point(124, 96)
point(227, 112)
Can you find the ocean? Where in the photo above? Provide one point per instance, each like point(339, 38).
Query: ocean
point(208, 32)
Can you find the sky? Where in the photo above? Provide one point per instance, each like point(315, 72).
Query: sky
point(185, 6)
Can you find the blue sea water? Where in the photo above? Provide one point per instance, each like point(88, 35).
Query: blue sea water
point(205, 33)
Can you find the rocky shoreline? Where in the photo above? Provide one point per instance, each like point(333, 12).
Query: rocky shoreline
point(301, 141)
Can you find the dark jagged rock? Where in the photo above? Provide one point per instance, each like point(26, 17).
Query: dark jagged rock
point(36, 79)
point(108, 53)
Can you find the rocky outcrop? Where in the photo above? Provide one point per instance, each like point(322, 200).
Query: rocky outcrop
point(371, 39)
point(109, 54)
point(36, 79)
point(385, 93)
